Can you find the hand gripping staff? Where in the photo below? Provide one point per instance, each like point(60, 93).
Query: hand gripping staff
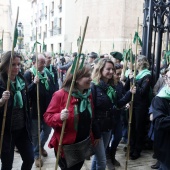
point(8, 81)
point(131, 107)
point(70, 92)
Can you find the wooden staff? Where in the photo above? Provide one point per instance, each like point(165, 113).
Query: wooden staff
point(131, 107)
point(8, 85)
point(70, 92)
point(2, 43)
point(38, 105)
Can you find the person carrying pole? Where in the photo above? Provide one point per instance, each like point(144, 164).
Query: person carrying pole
point(46, 89)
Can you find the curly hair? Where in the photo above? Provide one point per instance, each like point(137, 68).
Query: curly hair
point(97, 72)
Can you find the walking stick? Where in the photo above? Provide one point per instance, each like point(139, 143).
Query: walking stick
point(131, 107)
point(8, 84)
point(70, 92)
point(38, 106)
point(2, 43)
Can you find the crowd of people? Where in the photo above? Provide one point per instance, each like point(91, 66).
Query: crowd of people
point(97, 114)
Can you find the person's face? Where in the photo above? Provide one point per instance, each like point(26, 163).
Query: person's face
point(107, 72)
point(167, 79)
point(117, 75)
point(48, 60)
point(16, 65)
point(90, 60)
point(84, 82)
point(41, 63)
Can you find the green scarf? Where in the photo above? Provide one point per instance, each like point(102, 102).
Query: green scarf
point(127, 73)
point(111, 93)
point(50, 71)
point(84, 103)
point(44, 79)
point(164, 93)
point(142, 73)
point(20, 85)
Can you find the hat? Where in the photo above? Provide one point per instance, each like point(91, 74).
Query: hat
point(117, 55)
point(92, 55)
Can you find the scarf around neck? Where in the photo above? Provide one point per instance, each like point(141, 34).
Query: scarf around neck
point(143, 73)
point(164, 93)
point(50, 70)
point(43, 79)
point(19, 85)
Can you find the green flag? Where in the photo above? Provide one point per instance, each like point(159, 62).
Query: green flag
point(35, 45)
point(136, 37)
point(15, 37)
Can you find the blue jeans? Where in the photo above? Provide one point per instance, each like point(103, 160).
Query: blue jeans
point(116, 136)
point(163, 166)
point(99, 158)
point(45, 132)
point(21, 140)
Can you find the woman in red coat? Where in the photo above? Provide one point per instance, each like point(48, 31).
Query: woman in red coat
point(78, 115)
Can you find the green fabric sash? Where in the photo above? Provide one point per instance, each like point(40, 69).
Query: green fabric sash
point(20, 85)
point(164, 93)
point(111, 93)
point(142, 73)
point(44, 79)
point(84, 103)
point(50, 70)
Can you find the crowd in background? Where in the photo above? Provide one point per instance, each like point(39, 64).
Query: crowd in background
point(98, 110)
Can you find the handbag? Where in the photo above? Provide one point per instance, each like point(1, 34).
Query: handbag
point(77, 152)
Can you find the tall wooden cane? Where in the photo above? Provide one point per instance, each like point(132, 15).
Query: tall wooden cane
point(8, 86)
point(38, 106)
point(131, 107)
point(2, 43)
point(70, 92)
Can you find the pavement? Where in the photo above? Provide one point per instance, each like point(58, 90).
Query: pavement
point(143, 163)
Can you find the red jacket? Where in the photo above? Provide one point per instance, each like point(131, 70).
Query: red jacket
point(52, 118)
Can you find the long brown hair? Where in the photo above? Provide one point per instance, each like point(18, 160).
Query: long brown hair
point(80, 73)
point(97, 72)
point(5, 61)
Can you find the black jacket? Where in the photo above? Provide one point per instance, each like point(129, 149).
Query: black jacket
point(104, 109)
point(44, 95)
point(161, 120)
point(143, 91)
point(7, 132)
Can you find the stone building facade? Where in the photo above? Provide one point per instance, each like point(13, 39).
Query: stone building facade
point(6, 24)
point(110, 21)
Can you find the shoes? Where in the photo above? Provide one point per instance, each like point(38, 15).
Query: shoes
point(156, 166)
point(115, 162)
point(135, 155)
point(38, 162)
point(125, 149)
point(44, 152)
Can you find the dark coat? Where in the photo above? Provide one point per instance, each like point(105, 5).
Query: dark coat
point(55, 77)
point(7, 132)
point(142, 96)
point(104, 109)
point(161, 120)
point(44, 95)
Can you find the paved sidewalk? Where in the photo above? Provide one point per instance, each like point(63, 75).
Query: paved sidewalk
point(142, 163)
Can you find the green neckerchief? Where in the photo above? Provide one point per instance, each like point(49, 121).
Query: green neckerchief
point(111, 93)
point(44, 79)
point(127, 73)
point(164, 93)
point(19, 85)
point(50, 70)
point(142, 73)
point(84, 104)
